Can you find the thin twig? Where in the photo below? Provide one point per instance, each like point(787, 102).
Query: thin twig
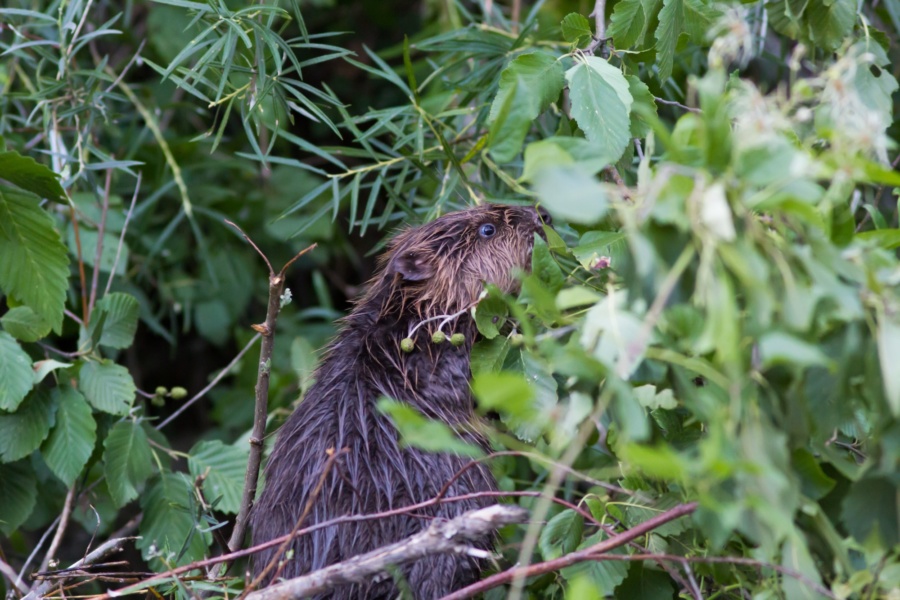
point(112, 272)
point(60, 530)
point(225, 371)
point(589, 553)
point(441, 537)
point(679, 105)
point(599, 15)
point(255, 247)
point(10, 574)
point(85, 315)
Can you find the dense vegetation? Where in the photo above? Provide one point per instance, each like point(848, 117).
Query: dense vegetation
point(711, 332)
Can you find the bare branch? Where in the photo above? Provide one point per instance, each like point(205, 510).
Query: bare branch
point(442, 537)
point(61, 530)
point(589, 553)
point(137, 187)
point(9, 573)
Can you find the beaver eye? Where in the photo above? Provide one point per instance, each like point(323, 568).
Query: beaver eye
point(487, 230)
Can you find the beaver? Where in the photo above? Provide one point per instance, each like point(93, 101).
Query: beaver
point(439, 268)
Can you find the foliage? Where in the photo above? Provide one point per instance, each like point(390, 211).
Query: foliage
point(713, 317)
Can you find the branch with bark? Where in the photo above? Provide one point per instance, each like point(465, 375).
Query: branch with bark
point(441, 537)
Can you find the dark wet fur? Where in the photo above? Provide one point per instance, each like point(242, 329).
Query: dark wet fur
point(430, 270)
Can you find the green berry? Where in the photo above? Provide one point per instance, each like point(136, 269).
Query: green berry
point(517, 340)
point(158, 401)
point(178, 393)
point(438, 337)
point(407, 345)
point(458, 339)
point(161, 391)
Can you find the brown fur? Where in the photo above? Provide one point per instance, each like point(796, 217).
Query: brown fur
point(437, 269)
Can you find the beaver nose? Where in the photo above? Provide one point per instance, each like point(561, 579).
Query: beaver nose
point(542, 217)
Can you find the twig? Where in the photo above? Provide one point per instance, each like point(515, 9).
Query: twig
point(10, 574)
point(60, 530)
point(589, 553)
point(112, 272)
point(599, 15)
point(277, 557)
point(514, 17)
point(679, 105)
point(85, 315)
point(267, 330)
point(442, 537)
point(211, 384)
point(104, 549)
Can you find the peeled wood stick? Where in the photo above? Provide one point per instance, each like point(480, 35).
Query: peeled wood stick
point(441, 537)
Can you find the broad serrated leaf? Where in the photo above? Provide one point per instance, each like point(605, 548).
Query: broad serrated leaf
point(699, 17)
point(22, 432)
point(576, 29)
point(24, 324)
point(171, 528)
point(122, 312)
point(643, 99)
point(869, 508)
point(16, 377)
point(561, 535)
point(527, 87)
point(571, 194)
point(626, 23)
point(420, 432)
point(107, 386)
point(35, 267)
point(488, 355)
point(225, 468)
point(830, 21)
point(127, 461)
point(507, 393)
point(606, 574)
point(490, 315)
point(559, 150)
point(17, 495)
point(72, 439)
point(31, 176)
point(601, 103)
point(671, 24)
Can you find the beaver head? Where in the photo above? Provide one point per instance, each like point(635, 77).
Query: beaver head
point(441, 267)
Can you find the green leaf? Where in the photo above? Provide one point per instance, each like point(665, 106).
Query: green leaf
point(888, 239)
point(88, 238)
point(830, 21)
point(813, 480)
point(504, 392)
point(31, 176)
point(649, 398)
point(776, 347)
point(606, 575)
point(419, 432)
point(527, 87)
point(303, 360)
point(576, 29)
point(644, 99)
point(122, 312)
point(225, 468)
point(107, 386)
point(127, 461)
point(871, 508)
point(626, 23)
point(42, 368)
point(170, 527)
point(671, 24)
point(490, 315)
point(18, 495)
point(22, 432)
point(16, 377)
point(72, 440)
point(35, 267)
point(888, 351)
point(24, 324)
point(488, 355)
point(571, 194)
point(597, 244)
point(558, 150)
point(561, 535)
point(601, 103)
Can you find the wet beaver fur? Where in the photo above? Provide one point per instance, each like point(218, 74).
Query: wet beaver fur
point(437, 269)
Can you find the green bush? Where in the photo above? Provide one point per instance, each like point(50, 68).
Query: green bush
point(707, 336)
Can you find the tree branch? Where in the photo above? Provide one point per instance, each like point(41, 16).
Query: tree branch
point(442, 537)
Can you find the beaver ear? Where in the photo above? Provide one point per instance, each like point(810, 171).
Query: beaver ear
point(411, 265)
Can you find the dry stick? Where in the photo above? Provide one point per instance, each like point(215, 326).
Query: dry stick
point(104, 549)
point(61, 530)
point(589, 553)
point(441, 537)
point(267, 329)
point(277, 557)
point(101, 229)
